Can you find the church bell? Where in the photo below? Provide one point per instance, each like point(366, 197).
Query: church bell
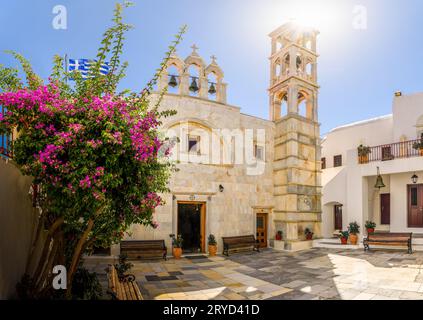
point(193, 87)
point(172, 82)
point(379, 181)
point(212, 89)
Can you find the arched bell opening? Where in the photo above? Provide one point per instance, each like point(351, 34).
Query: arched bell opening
point(299, 63)
point(174, 79)
point(194, 80)
point(212, 86)
point(305, 106)
point(278, 70)
point(285, 68)
point(280, 105)
point(308, 71)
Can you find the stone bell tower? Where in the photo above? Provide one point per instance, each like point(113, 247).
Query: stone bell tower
point(293, 108)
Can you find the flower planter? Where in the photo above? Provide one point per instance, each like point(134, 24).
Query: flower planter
point(370, 230)
point(344, 241)
point(363, 159)
point(421, 152)
point(309, 236)
point(278, 237)
point(212, 250)
point(353, 239)
point(177, 253)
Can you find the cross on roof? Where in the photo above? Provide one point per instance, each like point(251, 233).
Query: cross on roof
point(194, 48)
point(213, 57)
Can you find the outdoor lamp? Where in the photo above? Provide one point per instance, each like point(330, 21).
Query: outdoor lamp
point(415, 178)
point(379, 181)
point(221, 188)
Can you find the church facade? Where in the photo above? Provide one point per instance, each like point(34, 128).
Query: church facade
point(239, 174)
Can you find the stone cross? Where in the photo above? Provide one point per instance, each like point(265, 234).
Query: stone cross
point(213, 57)
point(194, 48)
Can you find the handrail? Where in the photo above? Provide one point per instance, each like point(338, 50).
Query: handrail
point(391, 151)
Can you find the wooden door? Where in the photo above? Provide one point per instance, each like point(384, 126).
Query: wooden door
point(338, 217)
point(261, 229)
point(192, 225)
point(415, 206)
point(385, 208)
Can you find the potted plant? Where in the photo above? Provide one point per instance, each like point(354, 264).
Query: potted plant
point(177, 246)
point(279, 235)
point(212, 245)
point(363, 153)
point(419, 146)
point(354, 230)
point(309, 234)
point(370, 227)
point(343, 235)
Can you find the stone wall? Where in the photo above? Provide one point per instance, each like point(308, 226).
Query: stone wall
point(17, 221)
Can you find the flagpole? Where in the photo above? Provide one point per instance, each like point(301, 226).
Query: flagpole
point(66, 67)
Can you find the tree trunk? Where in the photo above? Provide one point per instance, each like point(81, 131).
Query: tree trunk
point(54, 252)
point(46, 249)
point(35, 239)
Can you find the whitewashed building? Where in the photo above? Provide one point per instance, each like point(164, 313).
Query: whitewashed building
point(349, 192)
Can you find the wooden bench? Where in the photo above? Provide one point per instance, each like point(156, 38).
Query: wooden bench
point(389, 239)
point(123, 288)
point(144, 249)
point(239, 243)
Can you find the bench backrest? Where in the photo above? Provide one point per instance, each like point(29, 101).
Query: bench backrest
point(143, 244)
point(239, 239)
point(389, 236)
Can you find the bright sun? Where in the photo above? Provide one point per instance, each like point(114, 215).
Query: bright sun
point(314, 16)
point(320, 15)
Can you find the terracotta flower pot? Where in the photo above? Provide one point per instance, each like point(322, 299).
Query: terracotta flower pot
point(212, 250)
point(309, 236)
point(363, 159)
point(370, 230)
point(353, 239)
point(344, 240)
point(421, 152)
point(177, 253)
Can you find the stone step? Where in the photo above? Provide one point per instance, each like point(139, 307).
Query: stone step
point(333, 243)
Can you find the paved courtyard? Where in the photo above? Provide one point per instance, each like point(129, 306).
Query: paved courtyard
point(316, 274)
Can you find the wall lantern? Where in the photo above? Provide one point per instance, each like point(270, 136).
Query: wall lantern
point(221, 188)
point(379, 181)
point(415, 178)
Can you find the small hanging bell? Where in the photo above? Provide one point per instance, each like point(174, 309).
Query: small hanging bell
point(379, 181)
point(193, 87)
point(212, 89)
point(172, 82)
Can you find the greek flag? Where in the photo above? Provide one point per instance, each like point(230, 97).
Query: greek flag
point(84, 65)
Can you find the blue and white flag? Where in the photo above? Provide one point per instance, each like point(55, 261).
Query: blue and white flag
point(84, 65)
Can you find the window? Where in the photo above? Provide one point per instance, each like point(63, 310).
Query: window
point(414, 196)
point(259, 152)
point(194, 144)
point(323, 163)
point(337, 161)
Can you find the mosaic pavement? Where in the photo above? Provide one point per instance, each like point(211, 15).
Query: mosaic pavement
point(316, 274)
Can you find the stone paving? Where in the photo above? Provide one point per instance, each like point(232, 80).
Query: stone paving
point(316, 274)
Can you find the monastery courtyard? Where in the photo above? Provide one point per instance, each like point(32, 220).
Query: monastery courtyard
point(316, 274)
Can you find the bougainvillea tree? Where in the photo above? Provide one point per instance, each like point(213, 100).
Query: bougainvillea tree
point(95, 154)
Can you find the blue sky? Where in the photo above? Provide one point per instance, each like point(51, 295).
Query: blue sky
point(358, 70)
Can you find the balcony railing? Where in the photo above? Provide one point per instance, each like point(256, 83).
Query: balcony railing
point(387, 152)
